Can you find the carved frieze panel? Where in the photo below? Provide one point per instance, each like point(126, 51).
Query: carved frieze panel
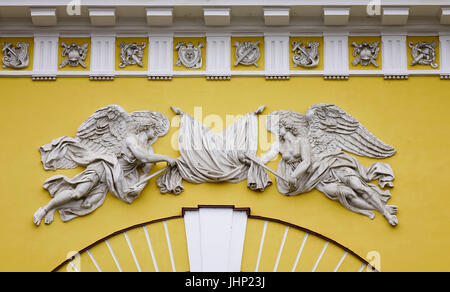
point(365, 53)
point(189, 54)
point(423, 52)
point(306, 53)
point(132, 54)
point(277, 55)
point(247, 53)
point(17, 53)
point(74, 54)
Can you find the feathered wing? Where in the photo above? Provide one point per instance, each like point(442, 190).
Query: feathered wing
point(102, 134)
point(104, 131)
point(331, 128)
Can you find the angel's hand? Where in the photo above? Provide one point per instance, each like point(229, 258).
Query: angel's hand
point(171, 162)
point(292, 180)
point(147, 167)
point(243, 158)
point(263, 161)
point(177, 110)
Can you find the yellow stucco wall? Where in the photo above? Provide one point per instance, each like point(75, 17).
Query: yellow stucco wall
point(410, 115)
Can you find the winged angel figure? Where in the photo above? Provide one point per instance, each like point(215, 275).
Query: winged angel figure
point(312, 147)
point(116, 149)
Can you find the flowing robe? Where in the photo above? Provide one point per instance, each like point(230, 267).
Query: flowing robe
point(210, 157)
point(120, 175)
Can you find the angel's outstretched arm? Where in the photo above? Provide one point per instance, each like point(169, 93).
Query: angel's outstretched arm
point(147, 167)
point(144, 157)
point(272, 153)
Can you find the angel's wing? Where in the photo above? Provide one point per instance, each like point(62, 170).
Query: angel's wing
point(105, 130)
point(331, 127)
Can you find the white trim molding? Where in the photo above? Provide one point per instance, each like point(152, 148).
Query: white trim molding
point(102, 57)
point(336, 16)
point(336, 56)
point(445, 15)
point(217, 16)
point(43, 16)
point(276, 55)
point(218, 56)
point(395, 16)
point(215, 239)
point(102, 16)
point(105, 20)
point(276, 16)
point(45, 59)
point(444, 41)
point(160, 61)
point(394, 56)
point(159, 16)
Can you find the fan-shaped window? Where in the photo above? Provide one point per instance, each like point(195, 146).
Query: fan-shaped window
point(215, 238)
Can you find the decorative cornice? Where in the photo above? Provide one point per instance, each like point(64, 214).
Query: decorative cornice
point(43, 16)
point(336, 16)
point(205, 15)
point(102, 16)
point(159, 16)
point(161, 21)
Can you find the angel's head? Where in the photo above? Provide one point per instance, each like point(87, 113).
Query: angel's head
point(150, 124)
point(287, 123)
point(287, 126)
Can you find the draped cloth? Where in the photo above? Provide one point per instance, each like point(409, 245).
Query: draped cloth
point(210, 157)
point(120, 175)
point(326, 173)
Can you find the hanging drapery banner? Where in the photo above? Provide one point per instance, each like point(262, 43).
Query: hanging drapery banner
point(210, 157)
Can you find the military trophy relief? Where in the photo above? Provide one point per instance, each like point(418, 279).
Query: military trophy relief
point(16, 57)
point(189, 56)
point(131, 54)
point(75, 55)
point(365, 53)
point(115, 147)
point(424, 53)
point(247, 53)
point(306, 56)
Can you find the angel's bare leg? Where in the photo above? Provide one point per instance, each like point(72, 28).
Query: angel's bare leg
point(92, 200)
point(370, 196)
point(351, 197)
point(49, 216)
point(64, 197)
